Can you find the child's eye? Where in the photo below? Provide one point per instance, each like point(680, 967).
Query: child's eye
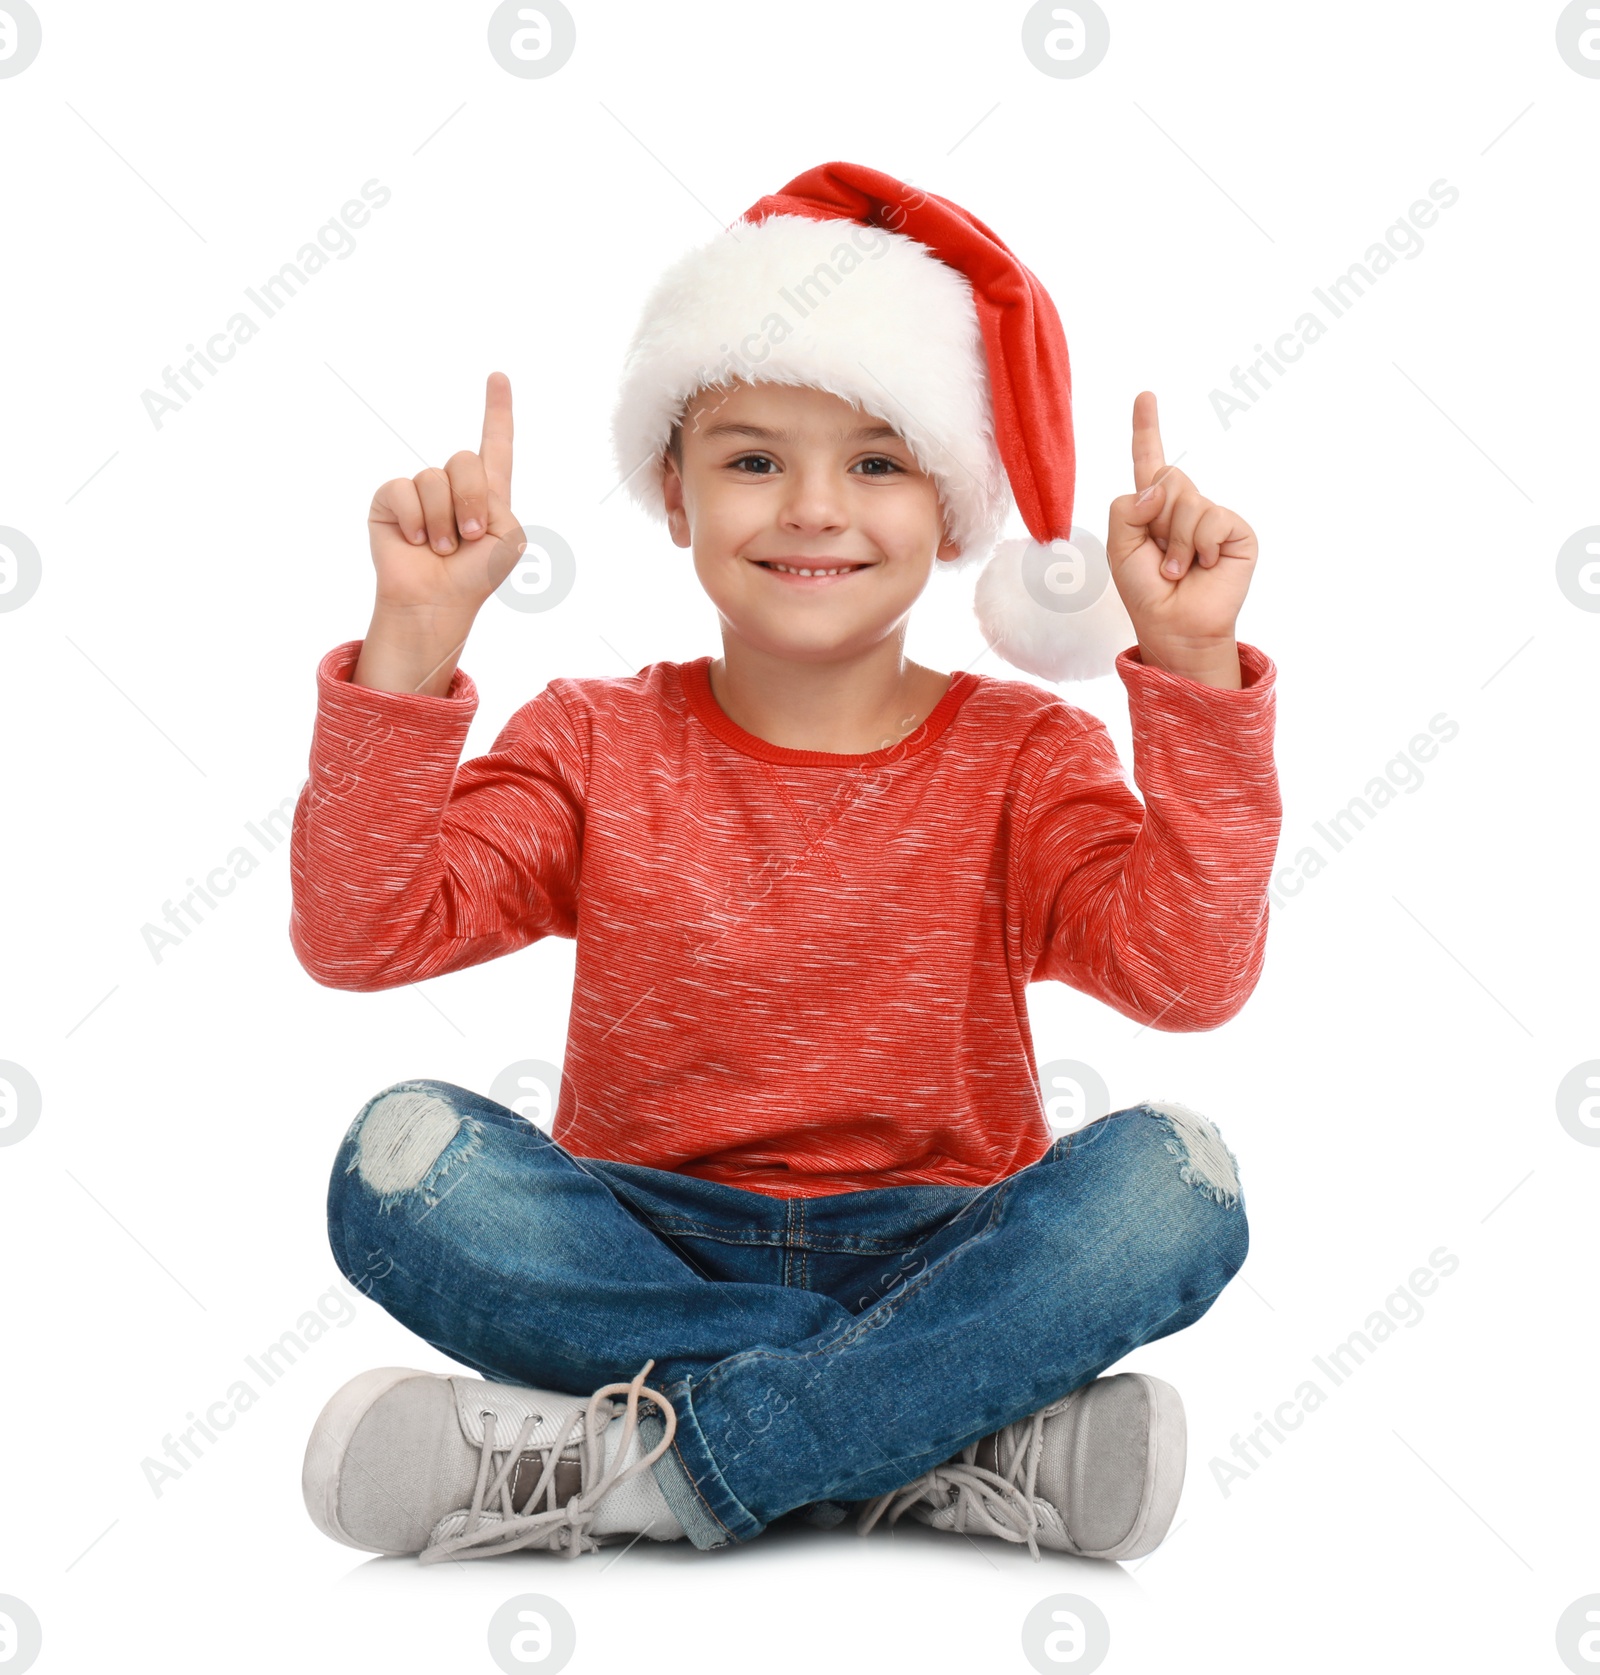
point(763, 459)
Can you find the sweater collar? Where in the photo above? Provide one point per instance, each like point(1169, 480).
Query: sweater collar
point(696, 679)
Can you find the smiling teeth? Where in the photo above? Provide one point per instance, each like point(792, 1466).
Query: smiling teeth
point(789, 570)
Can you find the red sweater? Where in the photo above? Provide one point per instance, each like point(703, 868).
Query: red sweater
point(798, 973)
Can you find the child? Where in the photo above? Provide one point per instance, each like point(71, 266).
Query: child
point(800, 1170)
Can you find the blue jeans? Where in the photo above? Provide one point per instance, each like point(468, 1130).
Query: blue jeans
point(817, 1351)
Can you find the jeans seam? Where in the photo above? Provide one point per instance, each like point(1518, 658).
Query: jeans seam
point(694, 1486)
point(841, 1244)
point(982, 1233)
point(926, 1276)
point(749, 1355)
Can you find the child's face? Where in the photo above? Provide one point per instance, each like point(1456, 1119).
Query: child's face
point(775, 472)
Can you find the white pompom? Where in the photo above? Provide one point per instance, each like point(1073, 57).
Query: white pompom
point(1062, 640)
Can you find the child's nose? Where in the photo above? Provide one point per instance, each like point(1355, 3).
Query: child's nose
point(814, 500)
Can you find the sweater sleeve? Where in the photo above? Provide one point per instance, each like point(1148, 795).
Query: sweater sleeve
point(404, 866)
point(1159, 909)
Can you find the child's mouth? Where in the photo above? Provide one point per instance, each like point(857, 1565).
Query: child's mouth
point(818, 575)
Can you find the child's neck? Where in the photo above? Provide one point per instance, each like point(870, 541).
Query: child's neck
point(849, 707)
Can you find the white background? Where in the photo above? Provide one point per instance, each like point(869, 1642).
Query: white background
point(1389, 1088)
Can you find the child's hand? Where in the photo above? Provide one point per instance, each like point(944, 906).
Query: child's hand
point(443, 541)
point(1181, 562)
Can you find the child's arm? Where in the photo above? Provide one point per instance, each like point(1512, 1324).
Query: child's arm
point(403, 867)
point(1160, 909)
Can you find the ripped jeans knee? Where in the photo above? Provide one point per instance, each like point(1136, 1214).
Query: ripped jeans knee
point(1205, 1160)
point(406, 1141)
point(1194, 1178)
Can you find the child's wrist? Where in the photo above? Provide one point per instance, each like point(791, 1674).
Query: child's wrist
point(1211, 662)
point(413, 651)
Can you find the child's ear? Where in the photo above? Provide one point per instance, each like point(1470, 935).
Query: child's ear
point(672, 494)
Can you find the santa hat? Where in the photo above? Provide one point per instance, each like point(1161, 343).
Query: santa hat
point(902, 303)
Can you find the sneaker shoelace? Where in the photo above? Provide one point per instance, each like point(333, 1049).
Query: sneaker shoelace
point(997, 1503)
point(566, 1527)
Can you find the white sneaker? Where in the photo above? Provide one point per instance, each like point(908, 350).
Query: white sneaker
point(448, 1467)
point(1098, 1473)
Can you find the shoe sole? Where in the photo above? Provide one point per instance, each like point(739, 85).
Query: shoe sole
point(330, 1442)
point(1165, 1462)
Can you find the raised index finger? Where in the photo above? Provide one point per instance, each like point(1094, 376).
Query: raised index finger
point(495, 449)
point(1148, 460)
